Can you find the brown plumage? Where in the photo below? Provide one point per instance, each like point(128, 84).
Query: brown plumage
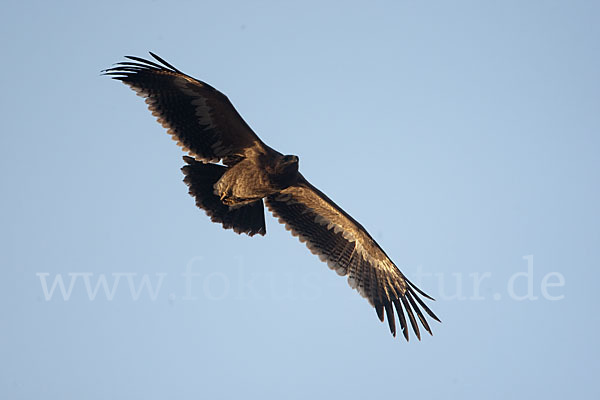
point(204, 122)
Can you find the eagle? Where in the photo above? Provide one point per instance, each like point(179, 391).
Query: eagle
point(233, 174)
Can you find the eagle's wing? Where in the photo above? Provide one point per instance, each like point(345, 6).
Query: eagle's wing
point(348, 248)
point(199, 117)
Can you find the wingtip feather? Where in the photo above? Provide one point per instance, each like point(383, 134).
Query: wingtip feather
point(411, 317)
point(162, 61)
point(401, 318)
point(379, 310)
point(422, 293)
point(391, 319)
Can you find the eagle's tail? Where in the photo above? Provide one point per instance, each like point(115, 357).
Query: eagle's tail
point(200, 178)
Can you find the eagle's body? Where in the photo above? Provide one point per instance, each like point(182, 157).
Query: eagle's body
point(255, 178)
point(203, 121)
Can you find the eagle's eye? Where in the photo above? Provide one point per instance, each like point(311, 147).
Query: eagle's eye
point(290, 159)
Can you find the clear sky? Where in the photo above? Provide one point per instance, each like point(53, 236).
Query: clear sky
point(464, 135)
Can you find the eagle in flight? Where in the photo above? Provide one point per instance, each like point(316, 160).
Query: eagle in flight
point(231, 172)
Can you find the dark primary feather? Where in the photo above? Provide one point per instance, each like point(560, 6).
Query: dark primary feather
point(205, 123)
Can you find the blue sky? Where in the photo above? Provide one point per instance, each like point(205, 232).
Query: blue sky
point(463, 135)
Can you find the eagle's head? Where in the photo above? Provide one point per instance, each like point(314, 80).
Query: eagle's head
point(288, 163)
point(286, 171)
